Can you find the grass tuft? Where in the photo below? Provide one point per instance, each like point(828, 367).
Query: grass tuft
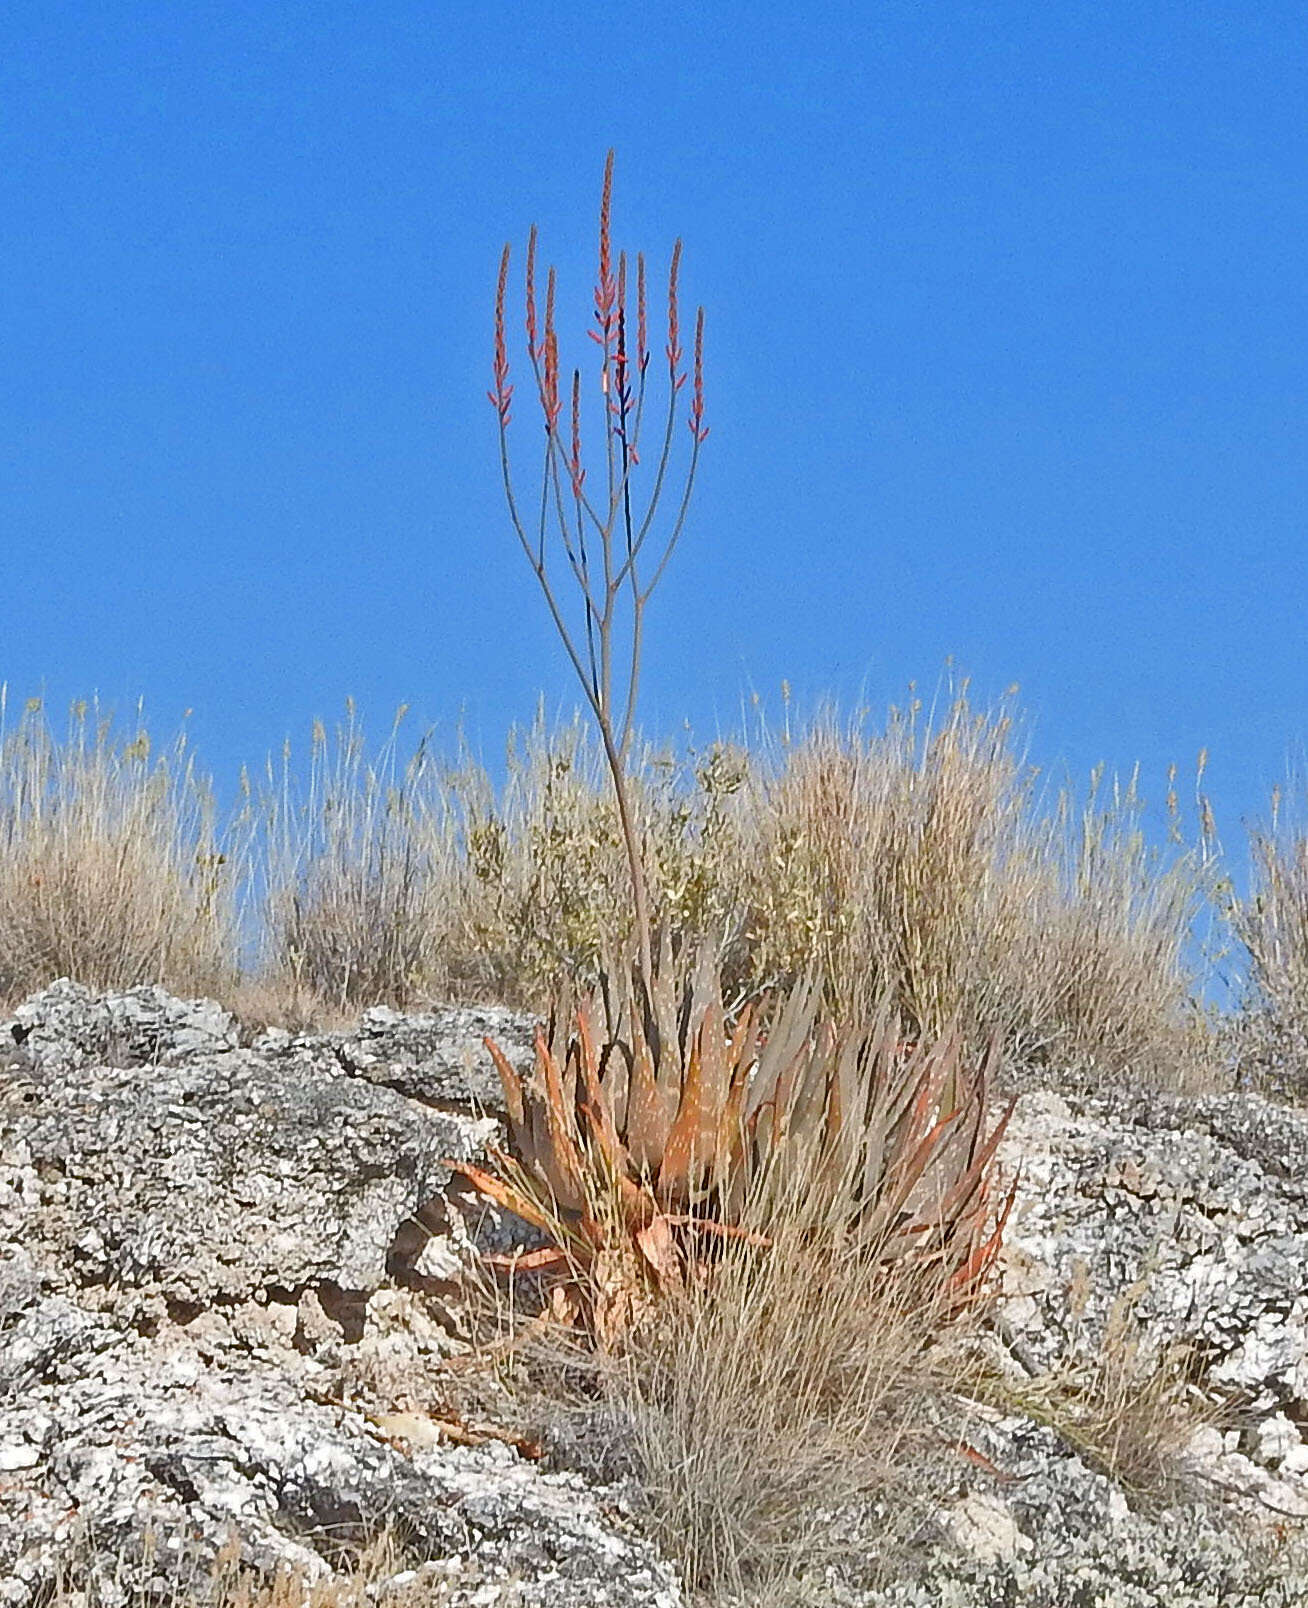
point(776, 1409)
point(111, 869)
point(1271, 924)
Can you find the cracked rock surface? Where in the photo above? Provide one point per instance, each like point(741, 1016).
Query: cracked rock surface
point(1187, 1220)
point(199, 1333)
point(436, 1058)
point(1193, 1215)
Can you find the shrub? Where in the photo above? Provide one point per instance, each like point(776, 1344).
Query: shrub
point(921, 862)
point(913, 862)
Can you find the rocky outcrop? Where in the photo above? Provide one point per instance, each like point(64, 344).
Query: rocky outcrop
point(435, 1058)
point(68, 1026)
point(200, 1333)
point(201, 1432)
point(229, 1286)
point(1145, 1227)
point(1188, 1221)
point(146, 1190)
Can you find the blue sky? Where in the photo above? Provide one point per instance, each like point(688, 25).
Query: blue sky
point(1007, 357)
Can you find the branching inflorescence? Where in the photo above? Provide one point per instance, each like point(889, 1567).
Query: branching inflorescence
point(614, 542)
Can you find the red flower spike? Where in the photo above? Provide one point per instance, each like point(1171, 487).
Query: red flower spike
point(696, 419)
point(501, 360)
point(549, 301)
point(502, 395)
point(621, 399)
point(550, 384)
point(531, 293)
point(674, 344)
point(606, 205)
point(642, 342)
point(605, 288)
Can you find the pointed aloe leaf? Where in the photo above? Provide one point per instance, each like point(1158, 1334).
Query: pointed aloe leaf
point(689, 1142)
point(615, 1080)
point(598, 1115)
point(715, 1056)
point(728, 1145)
point(504, 1194)
point(562, 1160)
point(814, 1073)
point(978, 1264)
point(905, 1171)
point(975, 1173)
point(548, 1256)
point(511, 1083)
point(651, 1110)
point(784, 1038)
point(663, 1005)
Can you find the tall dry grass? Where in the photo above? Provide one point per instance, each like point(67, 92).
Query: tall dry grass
point(921, 859)
point(1271, 924)
point(111, 868)
point(1129, 1406)
point(918, 861)
point(779, 1411)
point(356, 857)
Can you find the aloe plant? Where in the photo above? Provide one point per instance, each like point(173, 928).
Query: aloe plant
point(651, 1129)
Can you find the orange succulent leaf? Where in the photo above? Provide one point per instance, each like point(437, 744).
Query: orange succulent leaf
point(563, 1163)
point(596, 1108)
point(648, 1118)
point(689, 1143)
point(974, 1271)
point(511, 1083)
point(906, 1172)
point(548, 1256)
point(973, 1178)
point(657, 1244)
point(503, 1194)
point(709, 1225)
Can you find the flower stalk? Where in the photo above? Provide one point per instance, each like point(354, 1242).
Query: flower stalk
point(615, 546)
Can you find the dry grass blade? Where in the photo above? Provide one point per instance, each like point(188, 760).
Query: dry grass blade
point(1130, 1408)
